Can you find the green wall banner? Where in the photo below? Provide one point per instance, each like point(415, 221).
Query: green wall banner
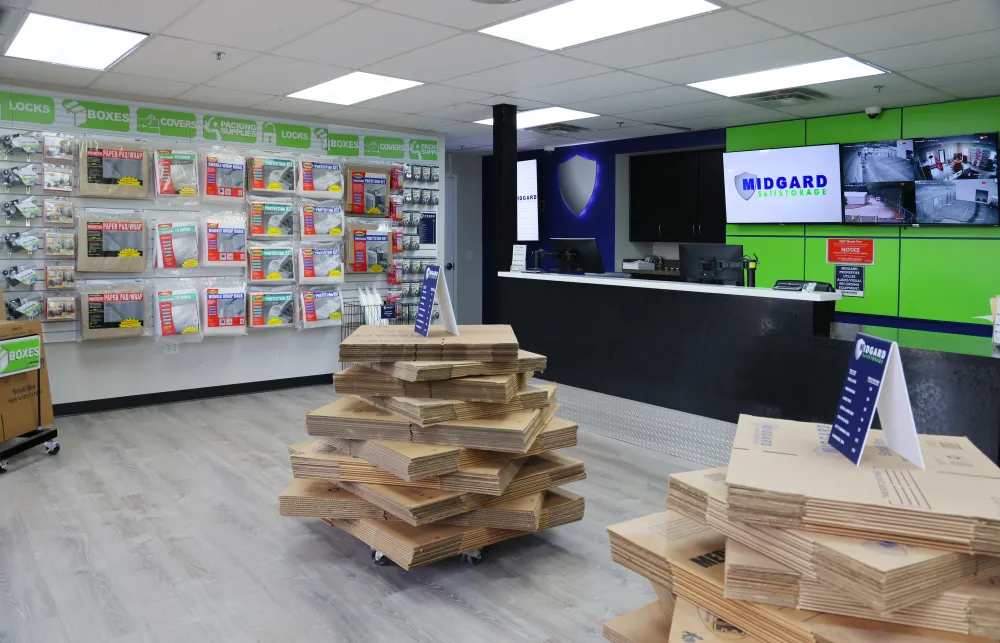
point(338, 144)
point(384, 147)
point(286, 135)
point(103, 116)
point(423, 150)
point(20, 355)
point(166, 122)
point(229, 129)
point(28, 108)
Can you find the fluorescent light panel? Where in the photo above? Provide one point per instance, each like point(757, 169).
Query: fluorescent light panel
point(580, 21)
point(544, 116)
point(354, 88)
point(824, 71)
point(67, 42)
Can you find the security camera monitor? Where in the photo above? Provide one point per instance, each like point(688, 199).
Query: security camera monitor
point(878, 179)
point(892, 203)
point(957, 180)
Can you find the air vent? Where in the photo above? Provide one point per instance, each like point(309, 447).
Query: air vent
point(557, 128)
point(785, 97)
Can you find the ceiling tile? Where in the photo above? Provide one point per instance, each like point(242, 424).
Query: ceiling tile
point(960, 73)
point(423, 99)
point(456, 56)
point(543, 70)
point(931, 23)
point(818, 15)
point(185, 61)
point(465, 129)
point(734, 120)
point(30, 70)
point(464, 14)
point(612, 84)
point(473, 141)
point(463, 112)
point(296, 106)
point(697, 35)
point(959, 49)
point(259, 25)
point(607, 123)
point(139, 86)
point(692, 110)
point(522, 104)
point(975, 88)
point(428, 123)
point(343, 41)
point(149, 16)
point(622, 133)
point(222, 96)
point(643, 100)
point(921, 96)
point(360, 114)
point(782, 52)
point(277, 76)
point(865, 87)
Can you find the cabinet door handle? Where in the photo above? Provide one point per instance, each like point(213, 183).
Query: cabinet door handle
point(692, 229)
point(699, 229)
point(659, 231)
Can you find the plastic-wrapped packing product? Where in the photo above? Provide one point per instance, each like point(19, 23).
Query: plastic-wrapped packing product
point(272, 308)
point(320, 307)
point(271, 262)
point(60, 243)
point(23, 243)
point(22, 209)
point(114, 169)
point(271, 217)
point(224, 306)
point(58, 210)
point(321, 218)
point(22, 143)
point(60, 276)
point(21, 276)
point(225, 239)
point(176, 175)
point(321, 177)
point(60, 147)
point(224, 174)
point(177, 244)
point(321, 262)
point(271, 173)
point(24, 306)
point(111, 242)
point(60, 308)
point(370, 250)
point(177, 312)
point(22, 176)
point(57, 178)
point(369, 191)
point(114, 309)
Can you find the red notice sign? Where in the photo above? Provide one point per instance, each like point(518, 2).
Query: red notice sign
point(851, 251)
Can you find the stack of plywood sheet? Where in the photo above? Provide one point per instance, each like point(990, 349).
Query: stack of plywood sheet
point(440, 446)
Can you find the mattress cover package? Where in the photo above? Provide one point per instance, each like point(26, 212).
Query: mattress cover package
point(60, 243)
point(369, 247)
point(177, 313)
point(177, 245)
point(369, 192)
point(225, 239)
point(271, 173)
point(60, 308)
point(320, 307)
point(320, 262)
point(271, 262)
point(224, 302)
point(321, 218)
point(272, 308)
point(324, 177)
point(114, 169)
point(111, 243)
point(271, 217)
point(114, 310)
point(58, 276)
point(58, 210)
point(176, 174)
point(224, 174)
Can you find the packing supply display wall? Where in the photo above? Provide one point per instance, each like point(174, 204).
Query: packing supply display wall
point(96, 370)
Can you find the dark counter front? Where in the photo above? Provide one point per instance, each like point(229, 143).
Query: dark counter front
point(719, 355)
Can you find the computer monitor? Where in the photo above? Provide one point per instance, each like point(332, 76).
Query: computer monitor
point(578, 255)
point(712, 263)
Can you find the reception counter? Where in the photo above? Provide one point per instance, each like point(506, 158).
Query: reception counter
point(718, 351)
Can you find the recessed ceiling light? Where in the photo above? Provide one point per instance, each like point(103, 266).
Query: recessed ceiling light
point(354, 88)
point(580, 21)
point(824, 71)
point(544, 116)
point(67, 42)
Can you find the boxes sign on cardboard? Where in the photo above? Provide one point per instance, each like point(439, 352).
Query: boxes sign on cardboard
point(25, 376)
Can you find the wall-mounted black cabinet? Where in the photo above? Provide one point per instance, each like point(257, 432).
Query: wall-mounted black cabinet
point(677, 196)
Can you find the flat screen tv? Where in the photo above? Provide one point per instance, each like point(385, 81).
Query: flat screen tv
point(787, 185)
point(956, 180)
point(879, 182)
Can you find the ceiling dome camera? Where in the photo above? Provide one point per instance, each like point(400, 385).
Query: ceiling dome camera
point(873, 112)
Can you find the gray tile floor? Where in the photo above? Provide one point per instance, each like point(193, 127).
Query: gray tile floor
point(159, 524)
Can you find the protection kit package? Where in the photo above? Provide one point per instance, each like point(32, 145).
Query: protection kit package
point(23, 208)
point(321, 176)
point(111, 242)
point(369, 246)
point(60, 243)
point(57, 178)
point(60, 276)
point(224, 302)
point(116, 169)
point(22, 143)
point(369, 192)
point(272, 308)
point(177, 245)
point(225, 239)
point(22, 176)
point(177, 312)
point(224, 175)
point(58, 210)
point(60, 308)
point(60, 147)
point(25, 306)
point(271, 262)
point(21, 276)
point(115, 310)
point(24, 243)
point(271, 173)
point(321, 218)
point(320, 262)
point(176, 174)
point(271, 217)
point(319, 307)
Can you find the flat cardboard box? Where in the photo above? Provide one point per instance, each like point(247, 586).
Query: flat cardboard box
point(446, 370)
point(648, 624)
point(368, 382)
point(484, 343)
point(691, 624)
point(784, 474)
point(428, 412)
point(19, 393)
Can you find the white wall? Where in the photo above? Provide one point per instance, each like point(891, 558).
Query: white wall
point(965, 190)
point(468, 171)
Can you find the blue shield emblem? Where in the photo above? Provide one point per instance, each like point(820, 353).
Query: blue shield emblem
point(577, 181)
point(746, 185)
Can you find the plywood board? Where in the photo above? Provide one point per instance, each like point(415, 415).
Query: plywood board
point(485, 343)
point(364, 381)
point(446, 370)
point(427, 412)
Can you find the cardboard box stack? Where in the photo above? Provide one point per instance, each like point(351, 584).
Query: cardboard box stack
point(793, 542)
point(439, 446)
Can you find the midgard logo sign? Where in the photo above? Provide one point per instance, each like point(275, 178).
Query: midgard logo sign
point(806, 185)
point(864, 351)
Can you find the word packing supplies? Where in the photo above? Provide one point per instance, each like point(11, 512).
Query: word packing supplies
point(272, 309)
point(111, 245)
point(114, 170)
point(324, 177)
point(176, 173)
point(115, 312)
point(321, 307)
point(225, 310)
point(177, 245)
point(321, 218)
point(272, 263)
point(225, 175)
point(369, 193)
point(226, 239)
point(271, 174)
point(177, 318)
point(271, 217)
point(321, 263)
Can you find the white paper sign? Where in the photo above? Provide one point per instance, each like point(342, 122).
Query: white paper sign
point(520, 258)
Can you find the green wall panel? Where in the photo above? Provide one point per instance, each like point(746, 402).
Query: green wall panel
point(854, 128)
point(765, 229)
point(881, 278)
point(780, 257)
point(948, 279)
point(766, 136)
point(945, 119)
point(951, 343)
point(852, 231)
point(951, 232)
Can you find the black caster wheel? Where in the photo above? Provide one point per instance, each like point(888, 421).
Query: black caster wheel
point(380, 559)
point(52, 448)
point(3, 466)
point(473, 557)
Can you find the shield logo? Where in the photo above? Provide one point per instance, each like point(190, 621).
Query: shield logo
point(577, 182)
point(746, 185)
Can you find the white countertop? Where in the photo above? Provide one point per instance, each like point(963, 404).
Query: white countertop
point(653, 284)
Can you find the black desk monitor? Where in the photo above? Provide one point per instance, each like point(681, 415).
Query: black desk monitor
point(578, 255)
point(712, 263)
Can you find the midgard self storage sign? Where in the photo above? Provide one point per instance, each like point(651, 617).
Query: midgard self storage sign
point(790, 185)
point(20, 355)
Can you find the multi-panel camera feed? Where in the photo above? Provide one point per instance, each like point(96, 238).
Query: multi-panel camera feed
point(948, 180)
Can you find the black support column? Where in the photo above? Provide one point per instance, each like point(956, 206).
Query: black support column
point(504, 230)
